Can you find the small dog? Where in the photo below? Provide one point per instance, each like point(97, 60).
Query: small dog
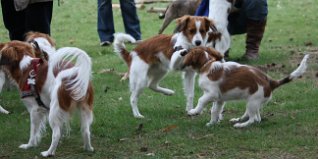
point(51, 89)
point(177, 9)
point(149, 62)
point(226, 81)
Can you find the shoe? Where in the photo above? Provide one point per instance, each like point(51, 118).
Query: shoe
point(105, 43)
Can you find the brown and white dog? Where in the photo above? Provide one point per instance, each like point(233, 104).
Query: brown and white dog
point(51, 89)
point(226, 81)
point(43, 45)
point(149, 62)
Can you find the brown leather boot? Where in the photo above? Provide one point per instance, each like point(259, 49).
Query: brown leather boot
point(254, 35)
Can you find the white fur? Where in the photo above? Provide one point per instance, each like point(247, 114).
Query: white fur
point(45, 45)
point(301, 68)
point(25, 62)
point(119, 41)
point(218, 12)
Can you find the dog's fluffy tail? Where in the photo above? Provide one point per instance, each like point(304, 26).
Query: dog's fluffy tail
point(75, 70)
point(295, 74)
point(120, 48)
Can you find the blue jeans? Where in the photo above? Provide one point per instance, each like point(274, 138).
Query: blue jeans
point(105, 20)
point(255, 10)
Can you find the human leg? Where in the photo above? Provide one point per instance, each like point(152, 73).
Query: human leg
point(39, 16)
point(130, 17)
point(105, 21)
point(13, 21)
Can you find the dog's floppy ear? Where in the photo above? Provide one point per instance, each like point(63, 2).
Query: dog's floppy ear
point(182, 23)
point(7, 55)
point(217, 55)
point(213, 34)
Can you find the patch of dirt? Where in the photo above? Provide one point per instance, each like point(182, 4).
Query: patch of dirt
point(295, 58)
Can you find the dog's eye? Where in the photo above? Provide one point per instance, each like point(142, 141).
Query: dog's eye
point(202, 31)
point(192, 31)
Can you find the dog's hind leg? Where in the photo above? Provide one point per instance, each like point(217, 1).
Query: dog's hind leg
point(137, 82)
point(2, 80)
point(243, 118)
point(57, 117)
point(38, 118)
point(253, 107)
point(86, 121)
point(216, 113)
point(154, 79)
point(188, 85)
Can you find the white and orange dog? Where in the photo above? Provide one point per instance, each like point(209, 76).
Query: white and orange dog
point(43, 45)
point(226, 81)
point(51, 89)
point(149, 62)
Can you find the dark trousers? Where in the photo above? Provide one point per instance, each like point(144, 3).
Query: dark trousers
point(36, 17)
point(250, 10)
point(105, 25)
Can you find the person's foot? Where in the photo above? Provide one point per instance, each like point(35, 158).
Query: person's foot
point(105, 43)
point(250, 57)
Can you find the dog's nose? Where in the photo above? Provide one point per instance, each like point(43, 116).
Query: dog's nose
point(197, 42)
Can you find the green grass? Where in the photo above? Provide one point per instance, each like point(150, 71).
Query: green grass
point(289, 128)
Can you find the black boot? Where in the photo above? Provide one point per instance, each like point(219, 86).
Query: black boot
point(254, 35)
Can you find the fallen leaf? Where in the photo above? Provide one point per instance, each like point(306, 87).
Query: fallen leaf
point(169, 128)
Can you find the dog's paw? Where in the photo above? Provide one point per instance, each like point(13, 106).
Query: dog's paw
point(168, 92)
point(209, 124)
point(89, 148)
point(193, 112)
point(25, 146)
point(139, 116)
point(183, 52)
point(240, 125)
point(235, 120)
point(47, 154)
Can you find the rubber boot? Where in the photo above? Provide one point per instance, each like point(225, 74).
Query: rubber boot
point(254, 34)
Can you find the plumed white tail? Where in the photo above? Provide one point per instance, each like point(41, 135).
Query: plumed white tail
point(301, 68)
point(79, 75)
point(119, 41)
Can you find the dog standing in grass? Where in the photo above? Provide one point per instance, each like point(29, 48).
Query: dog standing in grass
point(227, 81)
point(51, 89)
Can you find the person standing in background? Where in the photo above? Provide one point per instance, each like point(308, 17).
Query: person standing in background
point(22, 16)
point(105, 20)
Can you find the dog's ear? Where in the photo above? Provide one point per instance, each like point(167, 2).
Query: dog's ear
point(212, 52)
point(182, 23)
point(213, 36)
point(8, 55)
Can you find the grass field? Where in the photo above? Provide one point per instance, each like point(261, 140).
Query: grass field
point(289, 128)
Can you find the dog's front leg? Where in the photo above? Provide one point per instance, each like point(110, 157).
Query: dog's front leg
point(37, 117)
point(216, 113)
point(188, 85)
point(203, 100)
